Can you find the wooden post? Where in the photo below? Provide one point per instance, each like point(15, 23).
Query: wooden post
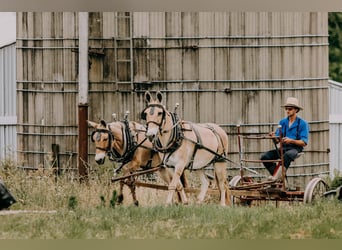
point(55, 159)
point(83, 95)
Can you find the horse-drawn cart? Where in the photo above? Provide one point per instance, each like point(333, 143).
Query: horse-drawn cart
point(168, 140)
point(245, 189)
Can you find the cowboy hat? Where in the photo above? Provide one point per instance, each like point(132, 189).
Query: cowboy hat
point(292, 102)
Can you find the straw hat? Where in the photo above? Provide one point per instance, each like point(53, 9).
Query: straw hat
point(292, 102)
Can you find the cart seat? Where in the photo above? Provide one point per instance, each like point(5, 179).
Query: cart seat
point(299, 155)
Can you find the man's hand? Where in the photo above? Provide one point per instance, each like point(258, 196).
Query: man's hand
point(272, 134)
point(287, 140)
point(275, 139)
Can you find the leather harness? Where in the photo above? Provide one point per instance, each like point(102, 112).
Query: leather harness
point(129, 148)
point(177, 136)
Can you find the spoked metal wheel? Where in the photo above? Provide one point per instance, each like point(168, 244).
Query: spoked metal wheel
point(315, 190)
point(234, 182)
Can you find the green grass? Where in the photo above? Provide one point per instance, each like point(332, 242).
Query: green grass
point(86, 211)
point(320, 221)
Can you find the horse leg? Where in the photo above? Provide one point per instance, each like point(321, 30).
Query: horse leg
point(220, 175)
point(183, 183)
point(166, 175)
point(128, 169)
point(120, 195)
point(204, 187)
point(174, 185)
point(132, 186)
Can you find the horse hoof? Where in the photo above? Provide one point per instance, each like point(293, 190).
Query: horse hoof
point(120, 199)
point(136, 203)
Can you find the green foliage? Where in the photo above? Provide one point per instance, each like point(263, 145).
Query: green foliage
point(103, 201)
point(114, 199)
point(336, 182)
point(335, 46)
point(72, 204)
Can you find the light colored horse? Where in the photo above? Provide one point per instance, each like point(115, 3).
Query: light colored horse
point(187, 145)
point(125, 142)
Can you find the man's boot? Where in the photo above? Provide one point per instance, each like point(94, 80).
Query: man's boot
point(277, 174)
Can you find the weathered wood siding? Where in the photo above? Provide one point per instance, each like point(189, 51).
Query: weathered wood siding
point(227, 68)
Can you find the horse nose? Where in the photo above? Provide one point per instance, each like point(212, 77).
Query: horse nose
point(100, 161)
point(150, 137)
point(151, 134)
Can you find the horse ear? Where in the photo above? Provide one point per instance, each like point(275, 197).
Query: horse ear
point(92, 124)
point(103, 122)
point(159, 96)
point(148, 97)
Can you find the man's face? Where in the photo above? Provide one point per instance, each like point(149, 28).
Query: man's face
point(290, 111)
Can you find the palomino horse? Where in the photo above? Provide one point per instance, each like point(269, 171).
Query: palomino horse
point(187, 145)
point(125, 142)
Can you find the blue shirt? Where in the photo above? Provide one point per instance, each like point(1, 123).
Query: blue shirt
point(299, 129)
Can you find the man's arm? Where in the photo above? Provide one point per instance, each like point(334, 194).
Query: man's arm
point(300, 143)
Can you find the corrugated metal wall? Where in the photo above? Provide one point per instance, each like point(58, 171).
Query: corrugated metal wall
point(335, 90)
point(8, 118)
point(227, 68)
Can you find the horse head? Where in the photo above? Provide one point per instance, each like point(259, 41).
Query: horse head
point(103, 138)
point(154, 115)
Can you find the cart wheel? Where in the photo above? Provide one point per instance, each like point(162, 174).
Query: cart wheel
point(315, 190)
point(234, 182)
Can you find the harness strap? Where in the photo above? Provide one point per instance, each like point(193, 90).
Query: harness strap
point(218, 137)
point(198, 145)
point(175, 139)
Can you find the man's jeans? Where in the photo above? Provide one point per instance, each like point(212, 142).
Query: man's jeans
point(290, 153)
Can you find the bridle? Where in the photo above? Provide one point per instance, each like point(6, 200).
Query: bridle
point(111, 152)
point(129, 147)
point(152, 106)
point(176, 136)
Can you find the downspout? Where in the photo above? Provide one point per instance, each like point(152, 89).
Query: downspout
point(83, 96)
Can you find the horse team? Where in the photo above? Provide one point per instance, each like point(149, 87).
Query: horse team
point(168, 142)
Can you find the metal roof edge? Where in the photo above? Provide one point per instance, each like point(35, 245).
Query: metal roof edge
point(9, 43)
point(332, 82)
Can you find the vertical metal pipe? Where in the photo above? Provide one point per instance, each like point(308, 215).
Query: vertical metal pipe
point(83, 95)
point(82, 141)
point(240, 151)
point(282, 158)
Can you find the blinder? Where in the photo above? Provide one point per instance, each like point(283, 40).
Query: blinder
point(143, 113)
point(98, 132)
point(92, 136)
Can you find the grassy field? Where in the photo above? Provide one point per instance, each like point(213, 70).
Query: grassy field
point(67, 209)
